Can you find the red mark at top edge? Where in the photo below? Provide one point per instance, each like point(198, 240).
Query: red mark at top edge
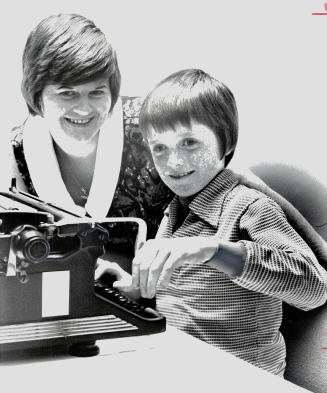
point(321, 13)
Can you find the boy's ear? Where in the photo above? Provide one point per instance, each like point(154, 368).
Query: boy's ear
point(228, 157)
point(229, 151)
point(223, 155)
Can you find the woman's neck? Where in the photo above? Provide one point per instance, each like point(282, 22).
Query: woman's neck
point(77, 173)
point(74, 148)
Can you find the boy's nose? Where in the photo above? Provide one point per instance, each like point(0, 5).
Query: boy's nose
point(175, 160)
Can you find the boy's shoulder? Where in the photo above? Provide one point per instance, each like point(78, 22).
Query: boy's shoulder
point(242, 191)
point(226, 197)
point(242, 196)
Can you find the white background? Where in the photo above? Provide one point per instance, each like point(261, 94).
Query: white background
point(272, 54)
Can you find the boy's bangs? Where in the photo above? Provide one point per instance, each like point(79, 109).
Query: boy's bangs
point(167, 113)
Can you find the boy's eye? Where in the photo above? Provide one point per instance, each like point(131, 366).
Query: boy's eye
point(189, 143)
point(158, 149)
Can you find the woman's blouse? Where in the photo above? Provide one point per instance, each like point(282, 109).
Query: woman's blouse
point(139, 192)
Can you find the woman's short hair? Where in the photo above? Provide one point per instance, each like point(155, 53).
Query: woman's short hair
point(194, 95)
point(68, 49)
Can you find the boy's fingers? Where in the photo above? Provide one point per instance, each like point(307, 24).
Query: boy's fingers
point(155, 272)
point(127, 290)
point(108, 267)
point(148, 256)
point(139, 256)
point(135, 274)
point(99, 271)
point(168, 269)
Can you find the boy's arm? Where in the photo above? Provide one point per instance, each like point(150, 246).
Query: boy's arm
point(278, 262)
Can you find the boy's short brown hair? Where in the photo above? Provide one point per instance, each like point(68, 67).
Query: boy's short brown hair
point(188, 95)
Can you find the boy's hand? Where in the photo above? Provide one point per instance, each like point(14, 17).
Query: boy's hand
point(159, 257)
point(123, 280)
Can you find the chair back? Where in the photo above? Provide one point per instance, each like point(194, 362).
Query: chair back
point(305, 333)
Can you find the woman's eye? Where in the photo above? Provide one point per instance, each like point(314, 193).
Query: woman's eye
point(67, 94)
point(97, 93)
point(189, 143)
point(158, 149)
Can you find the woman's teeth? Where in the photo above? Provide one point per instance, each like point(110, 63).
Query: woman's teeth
point(80, 121)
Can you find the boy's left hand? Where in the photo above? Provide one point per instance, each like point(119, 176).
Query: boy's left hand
point(159, 257)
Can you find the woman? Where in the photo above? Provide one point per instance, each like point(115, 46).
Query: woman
point(81, 147)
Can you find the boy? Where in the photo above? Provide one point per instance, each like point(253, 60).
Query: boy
point(225, 257)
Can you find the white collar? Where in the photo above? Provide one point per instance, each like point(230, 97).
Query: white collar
point(45, 173)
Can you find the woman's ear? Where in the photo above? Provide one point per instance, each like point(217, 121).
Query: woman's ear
point(39, 105)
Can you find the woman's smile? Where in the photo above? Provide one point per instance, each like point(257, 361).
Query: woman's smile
point(76, 112)
point(79, 122)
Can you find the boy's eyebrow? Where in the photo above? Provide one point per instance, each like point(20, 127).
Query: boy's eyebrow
point(187, 133)
point(154, 141)
point(183, 134)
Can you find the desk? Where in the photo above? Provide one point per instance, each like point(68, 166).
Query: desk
point(166, 362)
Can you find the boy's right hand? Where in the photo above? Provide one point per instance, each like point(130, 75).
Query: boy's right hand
point(123, 282)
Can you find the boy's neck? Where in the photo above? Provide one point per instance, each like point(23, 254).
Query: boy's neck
point(185, 201)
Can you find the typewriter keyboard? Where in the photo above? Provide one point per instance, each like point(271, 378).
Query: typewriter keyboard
point(112, 295)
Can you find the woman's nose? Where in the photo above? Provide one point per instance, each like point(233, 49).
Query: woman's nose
point(83, 107)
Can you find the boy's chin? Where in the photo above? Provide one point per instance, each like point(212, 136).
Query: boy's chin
point(186, 193)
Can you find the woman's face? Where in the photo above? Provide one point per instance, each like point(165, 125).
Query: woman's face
point(75, 113)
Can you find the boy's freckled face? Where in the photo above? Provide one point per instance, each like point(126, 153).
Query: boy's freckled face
point(187, 158)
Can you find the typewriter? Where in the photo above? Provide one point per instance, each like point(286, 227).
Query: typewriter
point(48, 296)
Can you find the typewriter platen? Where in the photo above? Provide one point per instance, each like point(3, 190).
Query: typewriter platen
point(48, 296)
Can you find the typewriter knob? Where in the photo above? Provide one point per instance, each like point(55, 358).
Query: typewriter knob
point(32, 246)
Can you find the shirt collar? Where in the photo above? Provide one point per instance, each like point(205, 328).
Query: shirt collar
point(208, 203)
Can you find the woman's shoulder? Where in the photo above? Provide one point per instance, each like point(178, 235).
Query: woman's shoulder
point(131, 109)
point(19, 166)
point(16, 135)
point(140, 192)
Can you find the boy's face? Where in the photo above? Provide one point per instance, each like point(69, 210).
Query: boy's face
point(187, 158)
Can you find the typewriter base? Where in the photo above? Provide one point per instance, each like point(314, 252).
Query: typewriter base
point(86, 349)
point(77, 336)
